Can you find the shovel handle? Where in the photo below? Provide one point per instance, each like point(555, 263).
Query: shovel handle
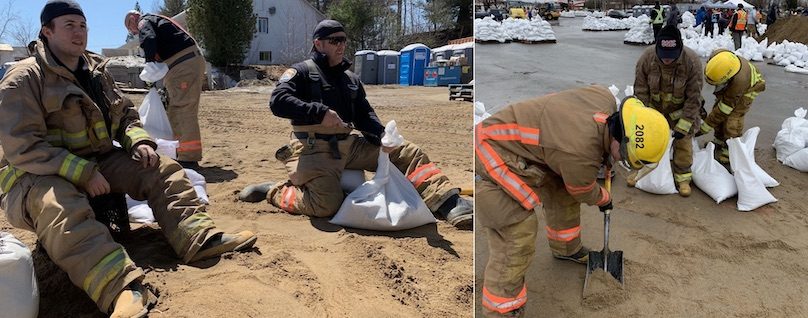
point(606, 215)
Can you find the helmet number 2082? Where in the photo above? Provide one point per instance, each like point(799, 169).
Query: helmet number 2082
point(638, 136)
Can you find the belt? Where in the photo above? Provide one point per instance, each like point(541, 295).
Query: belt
point(331, 138)
point(182, 59)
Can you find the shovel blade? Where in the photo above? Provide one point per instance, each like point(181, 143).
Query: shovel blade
point(615, 265)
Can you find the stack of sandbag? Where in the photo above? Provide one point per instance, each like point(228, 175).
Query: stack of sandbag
point(703, 45)
point(19, 294)
point(529, 30)
point(596, 14)
point(568, 14)
point(688, 20)
point(591, 23)
point(794, 56)
point(791, 143)
point(750, 178)
point(641, 33)
point(488, 29)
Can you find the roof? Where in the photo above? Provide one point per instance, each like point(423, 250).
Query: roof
point(413, 47)
point(6, 47)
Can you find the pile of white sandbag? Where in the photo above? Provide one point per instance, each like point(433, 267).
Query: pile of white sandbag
point(791, 142)
point(642, 33)
point(140, 212)
point(529, 30)
point(761, 28)
point(568, 14)
point(688, 20)
point(596, 14)
point(488, 29)
point(704, 45)
point(592, 23)
point(794, 56)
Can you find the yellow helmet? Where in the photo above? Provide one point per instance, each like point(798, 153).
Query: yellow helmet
point(721, 67)
point(645, 134)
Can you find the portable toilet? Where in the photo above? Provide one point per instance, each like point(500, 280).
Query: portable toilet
point(365, 64)
point(387, 68)
point(411, 63)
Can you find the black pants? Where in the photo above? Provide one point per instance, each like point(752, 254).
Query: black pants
point(657, 27)
point(708, 29)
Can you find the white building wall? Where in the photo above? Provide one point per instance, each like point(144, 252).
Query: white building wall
point(288, 38)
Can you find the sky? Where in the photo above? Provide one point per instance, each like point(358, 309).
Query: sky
point(104, 18)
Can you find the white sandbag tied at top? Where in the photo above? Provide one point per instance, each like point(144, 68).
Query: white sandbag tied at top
point(152, 112)
point(660, 180)
point(388, 202)
point(749, 177)
point(710, 175)
point(791, 142)
point(19, 294)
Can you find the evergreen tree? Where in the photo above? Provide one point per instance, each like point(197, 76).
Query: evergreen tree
point(224, 28)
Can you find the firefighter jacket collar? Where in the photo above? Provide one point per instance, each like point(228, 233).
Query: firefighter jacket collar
point(46, 58)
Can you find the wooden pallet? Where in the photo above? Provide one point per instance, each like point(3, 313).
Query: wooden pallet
point(537, 42)
point(461, 91)
point(636, 43)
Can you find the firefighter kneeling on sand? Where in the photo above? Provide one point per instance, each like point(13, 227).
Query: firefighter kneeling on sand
point(326, 102)
point(547, 152)
point(60, 113)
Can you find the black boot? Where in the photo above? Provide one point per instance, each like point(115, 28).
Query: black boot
point(193, 165)
point(458, 212)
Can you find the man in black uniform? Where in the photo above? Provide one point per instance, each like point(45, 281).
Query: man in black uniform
point(163, 40)
point(326, 103)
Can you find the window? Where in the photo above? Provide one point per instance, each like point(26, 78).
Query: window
point(263, 25)
point(265, 56)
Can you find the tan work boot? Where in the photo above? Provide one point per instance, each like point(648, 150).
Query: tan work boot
point(225, 243)
point(133, 302)
point(684, 188)
point(631, 179)
point(582, 257)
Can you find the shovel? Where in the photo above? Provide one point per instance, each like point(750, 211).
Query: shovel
point(610, 261)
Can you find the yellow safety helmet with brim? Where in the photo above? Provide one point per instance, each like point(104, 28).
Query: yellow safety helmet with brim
point(643, 132)
point(721, 67)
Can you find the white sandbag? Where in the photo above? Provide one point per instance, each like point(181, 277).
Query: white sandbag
point(660, 180)
point(710, 176)
point(167, 148)
point(153, 116)
point(139, 211)
point(351, 179)
point(153, 72)
point(794, 68)
point(798, 160)
point(752, 193)
point(748, 139)
point(19, 294)
point(388, 202)
point(480, 113)
point(199, 183)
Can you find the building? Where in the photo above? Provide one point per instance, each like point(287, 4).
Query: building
point(283, 32)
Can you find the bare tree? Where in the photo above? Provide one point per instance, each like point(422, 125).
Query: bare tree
point(24, 32)
point(7, 18)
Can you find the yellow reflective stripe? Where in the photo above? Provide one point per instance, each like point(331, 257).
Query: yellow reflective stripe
point(677, 100)
point(72, 168)
point(674, 115)
point(756, 76)
point(54, 137)
point(100, 130)
point(655, 97)
point(133, 136)
point(115, 127)
point(188, 228)
point(724, 108)
point(682, 177)
point(684, 125)
point(706, 128)
point(104, 272)
point(751, 95)
point(8, 176)
point(76, 140)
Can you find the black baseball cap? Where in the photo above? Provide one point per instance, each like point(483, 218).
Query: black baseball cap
point(58, 8)
point(669, 43)
point(326, 28)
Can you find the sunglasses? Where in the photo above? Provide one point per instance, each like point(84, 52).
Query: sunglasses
point(335, 40)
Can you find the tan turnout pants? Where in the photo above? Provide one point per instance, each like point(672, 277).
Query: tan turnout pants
point(60, 215)
point(512, 230)
point(184, 85)
point(313, 187)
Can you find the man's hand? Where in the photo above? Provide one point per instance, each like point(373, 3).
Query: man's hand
point(97, 185)
point(332, 119)
point(146, 155)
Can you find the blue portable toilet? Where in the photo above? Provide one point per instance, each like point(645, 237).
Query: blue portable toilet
point(414, 58)
point(387, 69)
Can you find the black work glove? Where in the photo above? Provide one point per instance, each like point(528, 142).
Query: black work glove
point(607, 206)
point(678, 135)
